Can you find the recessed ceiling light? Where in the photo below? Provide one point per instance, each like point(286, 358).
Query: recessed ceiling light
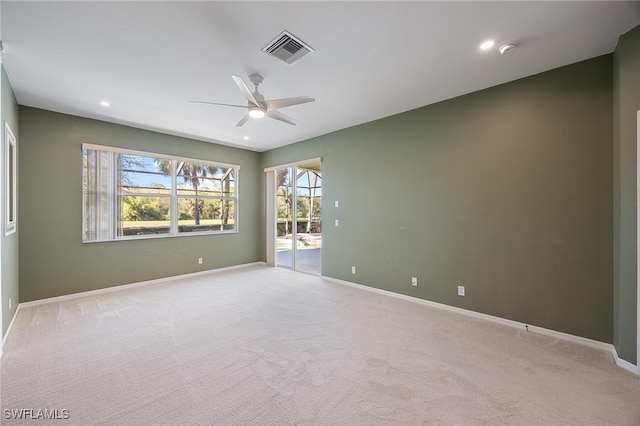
point(105, 103)
point(246, 138)
point(487, 45)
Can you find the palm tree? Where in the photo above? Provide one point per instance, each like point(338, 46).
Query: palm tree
point(283, 185)
point(282, 176)
point(227, 175)
point(191, 174)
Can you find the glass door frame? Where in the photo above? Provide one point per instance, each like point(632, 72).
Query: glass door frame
point(292, 187)
point(271, 208)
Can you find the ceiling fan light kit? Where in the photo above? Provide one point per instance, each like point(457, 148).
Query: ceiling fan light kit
point(257, 106)
point(256, 112)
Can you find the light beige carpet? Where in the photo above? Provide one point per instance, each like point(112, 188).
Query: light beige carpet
point(271, 346)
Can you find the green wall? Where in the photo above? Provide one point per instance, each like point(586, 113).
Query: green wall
point(626, 105)
point(9, 243)
point(53, 260)
point(506, 191)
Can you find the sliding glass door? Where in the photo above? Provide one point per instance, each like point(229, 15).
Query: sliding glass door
point(299, 218)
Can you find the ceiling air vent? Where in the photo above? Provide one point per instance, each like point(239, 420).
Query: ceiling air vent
point(287, 48)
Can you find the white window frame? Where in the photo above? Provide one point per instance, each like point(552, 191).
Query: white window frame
point(11, 180)
point(174, 230)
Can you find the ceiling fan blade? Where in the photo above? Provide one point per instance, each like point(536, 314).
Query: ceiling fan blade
point(282, 103)
point(243, 120)
point(245, 90)
point(281, 117)
point(216, 103)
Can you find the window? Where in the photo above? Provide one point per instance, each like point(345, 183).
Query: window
point(11, 202)
point(129, 194)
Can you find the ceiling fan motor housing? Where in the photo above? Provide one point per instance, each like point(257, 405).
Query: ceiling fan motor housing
point(256, 79)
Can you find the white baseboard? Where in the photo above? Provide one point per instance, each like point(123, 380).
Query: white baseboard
point(133, 285)
point(626, 365)
point(4, 338)
point(510, 323)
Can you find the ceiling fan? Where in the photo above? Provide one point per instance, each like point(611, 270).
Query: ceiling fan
point(257, 106)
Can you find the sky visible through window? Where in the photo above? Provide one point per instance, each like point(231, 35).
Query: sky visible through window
point(306, 182)
point(145, 172)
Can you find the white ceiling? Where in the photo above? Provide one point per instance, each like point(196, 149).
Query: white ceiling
point(372, 59)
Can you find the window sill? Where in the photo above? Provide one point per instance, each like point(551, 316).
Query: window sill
point(155, 236)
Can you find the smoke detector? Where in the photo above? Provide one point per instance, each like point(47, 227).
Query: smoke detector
point(506, 48)
point(287, 48)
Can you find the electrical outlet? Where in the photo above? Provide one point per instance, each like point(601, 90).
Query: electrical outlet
point(414, 281)
point(337, 222)
point(199, 261)
point(337, 204)
point(460, 290)
point(353, 269)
